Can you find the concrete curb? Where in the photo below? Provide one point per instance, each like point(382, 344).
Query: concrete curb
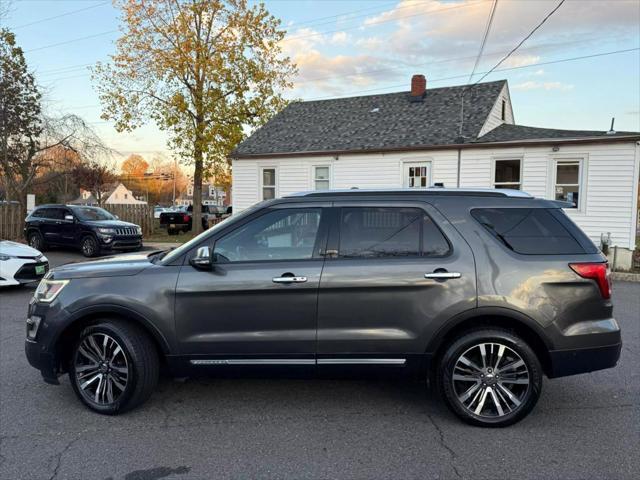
point(625, 277)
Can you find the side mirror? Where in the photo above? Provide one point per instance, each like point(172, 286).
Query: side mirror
point(202, 259)
point(69, 218)
point(117, 217)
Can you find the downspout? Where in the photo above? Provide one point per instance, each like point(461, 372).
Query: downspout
point(459, 166)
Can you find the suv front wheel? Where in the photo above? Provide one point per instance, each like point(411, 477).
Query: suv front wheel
point(114, 366)
point(490, 377)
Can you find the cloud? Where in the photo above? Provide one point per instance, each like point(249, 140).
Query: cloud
point(521, 60)
point(532, 85)
point(340, 38)
point(441, 38)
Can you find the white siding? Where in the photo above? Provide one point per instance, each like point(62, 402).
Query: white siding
point(608, 188)
point(495, 116)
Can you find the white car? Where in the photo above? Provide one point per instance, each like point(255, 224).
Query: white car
point(20, 264)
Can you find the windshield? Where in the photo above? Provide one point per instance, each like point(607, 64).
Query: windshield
point(185, 247)
point(92, 213)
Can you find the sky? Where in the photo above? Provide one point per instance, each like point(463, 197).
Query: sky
point(354, 47)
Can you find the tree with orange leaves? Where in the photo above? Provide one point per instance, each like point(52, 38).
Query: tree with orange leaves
point(201, 70)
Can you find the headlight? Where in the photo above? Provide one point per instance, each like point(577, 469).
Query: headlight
point(106, 231)
point(138, 230)
point(4, 257)
point(48, 290)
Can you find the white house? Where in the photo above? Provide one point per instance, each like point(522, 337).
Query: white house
point(211, 195)
point(415, 139)
point(116, 194)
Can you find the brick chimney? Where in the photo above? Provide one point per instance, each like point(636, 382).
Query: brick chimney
point(418, 86)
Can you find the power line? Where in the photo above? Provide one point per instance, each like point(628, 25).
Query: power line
point(60, 15)
point(484, 38)
point(73, 40)
point(539, 64)
point(523, 40)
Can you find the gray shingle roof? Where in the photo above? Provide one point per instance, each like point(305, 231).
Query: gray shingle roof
point(374, 122)
point(516, 133)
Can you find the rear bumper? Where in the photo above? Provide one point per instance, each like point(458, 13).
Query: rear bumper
point(583, 360)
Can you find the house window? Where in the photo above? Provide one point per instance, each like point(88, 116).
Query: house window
point(504, 110)
point(126, 195)
point(321, 178)
point(567, 187)
point(268, 178)
point(507, 174)
point(190, 191)
point(212, 191)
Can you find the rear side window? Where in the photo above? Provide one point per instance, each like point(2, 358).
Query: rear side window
point(372, 232)
point(532, 231)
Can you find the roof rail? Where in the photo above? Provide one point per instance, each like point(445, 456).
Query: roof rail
point(436, 191)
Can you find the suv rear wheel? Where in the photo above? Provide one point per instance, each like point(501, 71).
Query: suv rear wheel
point(490, 377)
point(114, 367)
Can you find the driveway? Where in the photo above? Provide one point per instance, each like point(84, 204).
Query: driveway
point(587, 426)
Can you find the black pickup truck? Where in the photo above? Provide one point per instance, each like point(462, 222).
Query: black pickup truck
point(181, 220)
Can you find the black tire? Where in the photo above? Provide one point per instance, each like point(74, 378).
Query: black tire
point(477, 378)
point(89, 246)
point(36, 241)
point(139, 356)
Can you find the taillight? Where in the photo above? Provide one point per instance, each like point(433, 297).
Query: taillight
point(595, 271)
point(185, 218)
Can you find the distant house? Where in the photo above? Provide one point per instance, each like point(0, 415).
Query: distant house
point(415, 139)
point(115, 194)
point(211, 195)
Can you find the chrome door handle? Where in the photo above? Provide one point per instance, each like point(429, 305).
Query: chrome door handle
point(289, 279)
point(442, 275)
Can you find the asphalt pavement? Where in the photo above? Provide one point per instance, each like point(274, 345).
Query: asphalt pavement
point(584, 427)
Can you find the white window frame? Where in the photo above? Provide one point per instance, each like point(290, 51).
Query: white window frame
point(582, 179)
point(415, 162)
point(494, 160)
point(212, 191)
point(314, 179)
point(262, 186)
point(190, 191)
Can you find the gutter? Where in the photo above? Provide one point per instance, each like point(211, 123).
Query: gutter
point(450, 146)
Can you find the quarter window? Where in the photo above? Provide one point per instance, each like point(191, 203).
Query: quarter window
point(321, 178)
point(567, 187)
point(533, 231)
point(278, 235)
point(268, 183)
point(389, 232)
point(507, 174)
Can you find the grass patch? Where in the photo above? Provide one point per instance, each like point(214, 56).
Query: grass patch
point(161, 235)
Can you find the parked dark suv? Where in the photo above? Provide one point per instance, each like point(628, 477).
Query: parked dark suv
point(483, 292)
point(92, 230)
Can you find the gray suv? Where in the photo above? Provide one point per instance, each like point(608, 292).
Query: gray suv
point(482, 292)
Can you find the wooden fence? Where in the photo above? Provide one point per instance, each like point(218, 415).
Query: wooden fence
point(139, 214)
point(12, 217)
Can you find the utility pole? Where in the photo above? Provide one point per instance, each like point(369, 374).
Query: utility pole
point(175, 167)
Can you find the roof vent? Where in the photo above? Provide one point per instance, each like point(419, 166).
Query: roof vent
point(375, 110)
point(611, 130)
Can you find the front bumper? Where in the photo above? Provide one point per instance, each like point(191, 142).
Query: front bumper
point(44, 361)
point(122, 243)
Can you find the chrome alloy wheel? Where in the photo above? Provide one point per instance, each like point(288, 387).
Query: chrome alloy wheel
point(490, 380)
point(101, 368)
